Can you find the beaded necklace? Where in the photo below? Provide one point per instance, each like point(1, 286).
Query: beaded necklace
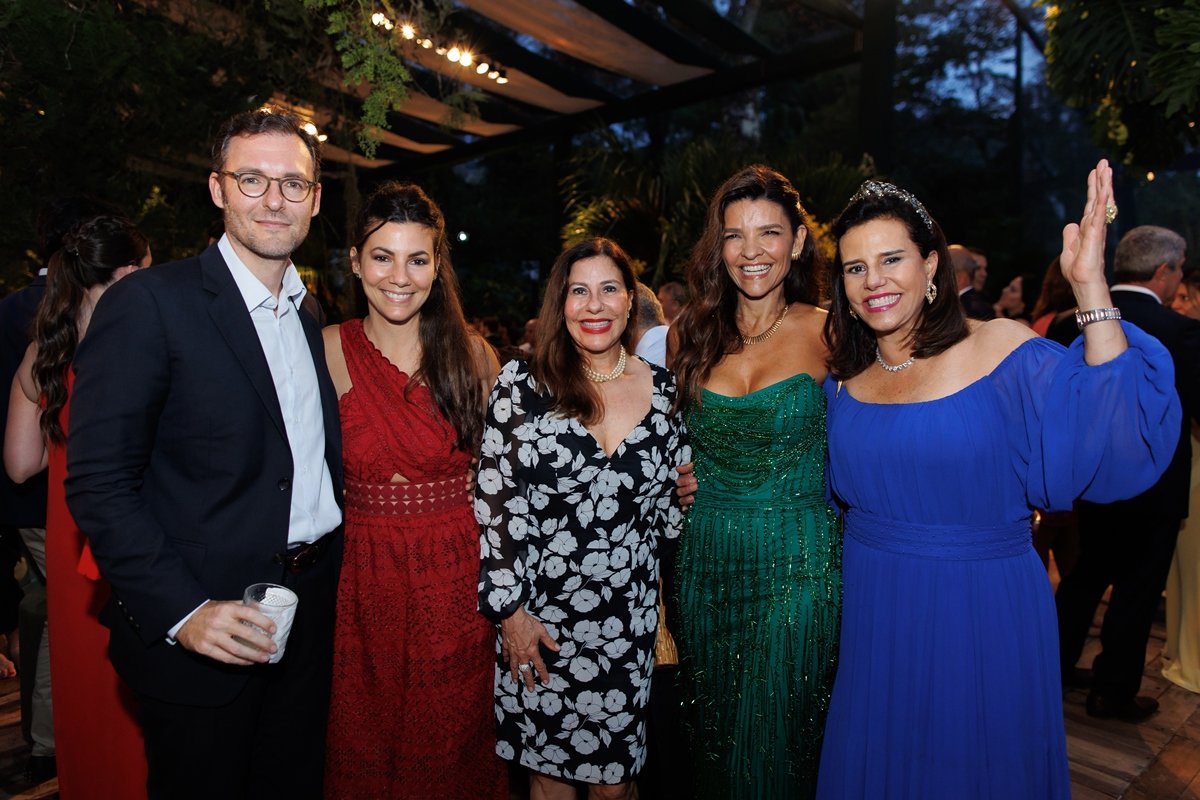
point(599, 377)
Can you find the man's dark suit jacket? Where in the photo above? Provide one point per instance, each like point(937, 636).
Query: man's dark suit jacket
point(179, 470)
point(1167, 499)
point(976, 306)
point(22, 505)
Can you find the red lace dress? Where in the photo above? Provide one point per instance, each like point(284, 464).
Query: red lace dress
point(413, 660)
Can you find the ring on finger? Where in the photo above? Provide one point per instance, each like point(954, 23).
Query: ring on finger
point(1110, 213)
point(523, 668)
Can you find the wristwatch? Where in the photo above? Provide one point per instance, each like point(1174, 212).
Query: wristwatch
point(1085, 318)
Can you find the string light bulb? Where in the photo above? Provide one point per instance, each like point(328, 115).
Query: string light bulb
point(483, 67)
point(452, 54)
point(408, 31)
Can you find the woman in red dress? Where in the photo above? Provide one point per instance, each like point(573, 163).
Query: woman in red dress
point(411, 709)
point(98, 742)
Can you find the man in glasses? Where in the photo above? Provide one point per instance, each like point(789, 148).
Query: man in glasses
point(204, 456)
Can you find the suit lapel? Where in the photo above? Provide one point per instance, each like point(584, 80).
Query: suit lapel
point(228, 312)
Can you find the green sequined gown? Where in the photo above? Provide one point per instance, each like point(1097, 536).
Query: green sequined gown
point(759, 592)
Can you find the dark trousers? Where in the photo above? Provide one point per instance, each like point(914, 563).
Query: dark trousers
point(1132, 552)
point(268, 742)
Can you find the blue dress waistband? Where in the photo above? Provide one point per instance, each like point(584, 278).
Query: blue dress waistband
point(948, 542)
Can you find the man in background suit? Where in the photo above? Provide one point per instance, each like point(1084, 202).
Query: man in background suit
point(204, 455)
point(974, 304)
point(1129, 544)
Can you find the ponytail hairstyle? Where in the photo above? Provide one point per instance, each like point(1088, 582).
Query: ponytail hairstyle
point(90, 255)
point(556, 363)
point(448, 364)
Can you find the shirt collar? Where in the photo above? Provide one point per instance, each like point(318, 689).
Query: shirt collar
point(253, 292)
point(1133, 287)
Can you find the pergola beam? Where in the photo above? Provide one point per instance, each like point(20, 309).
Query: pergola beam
point(814, 56)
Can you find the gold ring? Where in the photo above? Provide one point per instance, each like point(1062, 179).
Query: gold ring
point(1110, 213)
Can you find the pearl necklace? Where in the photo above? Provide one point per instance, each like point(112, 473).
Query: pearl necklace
point(769, 332)
point(903, 365)
point(597, 377)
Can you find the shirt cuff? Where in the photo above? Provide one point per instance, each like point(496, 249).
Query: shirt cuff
point(175, 628)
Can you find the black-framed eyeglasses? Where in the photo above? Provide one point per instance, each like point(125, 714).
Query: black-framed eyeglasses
point(255, 184)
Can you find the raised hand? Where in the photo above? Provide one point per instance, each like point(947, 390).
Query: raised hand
point(1082, 258)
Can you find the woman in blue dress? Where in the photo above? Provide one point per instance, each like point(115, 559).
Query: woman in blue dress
point(943, 433)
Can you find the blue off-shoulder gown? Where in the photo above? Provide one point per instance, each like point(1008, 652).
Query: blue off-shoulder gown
point(948, 678)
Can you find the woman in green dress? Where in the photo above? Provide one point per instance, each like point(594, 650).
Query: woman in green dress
point(759, 565)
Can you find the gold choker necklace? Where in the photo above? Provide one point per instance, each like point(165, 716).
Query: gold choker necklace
point(769, 332)
point(597, 377)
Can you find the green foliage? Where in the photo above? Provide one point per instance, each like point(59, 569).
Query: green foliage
point(115, 101)
point(1177, 65)
point(656, 206)
point(1134, 66)
point(372, 55)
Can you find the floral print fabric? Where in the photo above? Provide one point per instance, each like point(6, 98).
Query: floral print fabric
point(571, 534)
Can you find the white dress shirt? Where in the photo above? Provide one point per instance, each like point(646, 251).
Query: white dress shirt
point(314, 510)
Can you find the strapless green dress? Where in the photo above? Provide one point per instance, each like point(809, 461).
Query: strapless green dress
point(759, 592)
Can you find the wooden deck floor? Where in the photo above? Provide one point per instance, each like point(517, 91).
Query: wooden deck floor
point(1157, 760)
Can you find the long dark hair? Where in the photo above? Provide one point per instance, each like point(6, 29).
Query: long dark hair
point(448, 364)
point(556, 364)
point(942, 322)
point(90, 254)
point(707, 329)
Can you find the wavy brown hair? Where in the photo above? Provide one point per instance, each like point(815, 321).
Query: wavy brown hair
point(556, 364)
point(942, 323)
point(707, 331)
point(90, 254)
point(448, 364)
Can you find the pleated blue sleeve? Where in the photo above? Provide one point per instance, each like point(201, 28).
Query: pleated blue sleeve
point(1101, 433)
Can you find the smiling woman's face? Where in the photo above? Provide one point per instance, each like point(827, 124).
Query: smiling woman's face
point(885, 275)
point(597, 305)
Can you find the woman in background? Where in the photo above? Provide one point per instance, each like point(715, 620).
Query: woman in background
point(759, 565)
point(98, 741)
point(410, 712)
point(1181, 652)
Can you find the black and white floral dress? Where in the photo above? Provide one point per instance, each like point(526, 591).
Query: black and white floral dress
point(572, 534)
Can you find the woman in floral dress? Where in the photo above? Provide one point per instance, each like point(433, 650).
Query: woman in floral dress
point(575, 488)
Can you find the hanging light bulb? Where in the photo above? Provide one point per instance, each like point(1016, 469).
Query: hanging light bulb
point(465, 58)
point(502, 77)
point(483, 67)
point(494, 74)
point(427, 43)
point(453, 54)
point(408, 31)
